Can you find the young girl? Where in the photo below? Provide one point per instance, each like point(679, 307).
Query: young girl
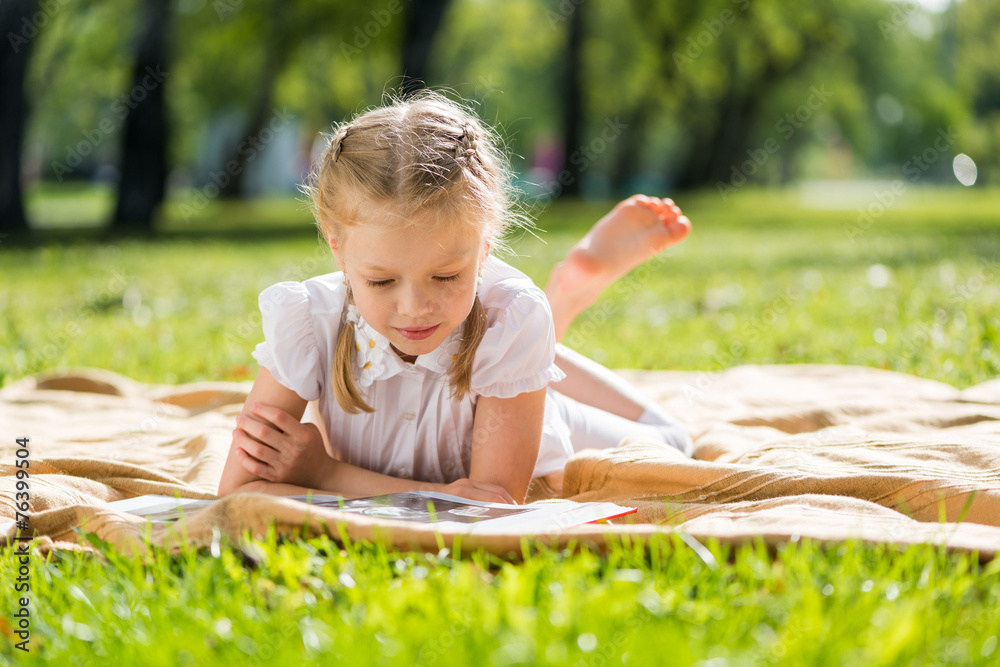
point(435, 365)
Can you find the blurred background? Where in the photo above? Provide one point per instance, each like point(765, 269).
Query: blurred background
point(112, 107)
point(838, 159)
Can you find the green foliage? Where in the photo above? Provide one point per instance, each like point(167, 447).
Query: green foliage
point(690, 79)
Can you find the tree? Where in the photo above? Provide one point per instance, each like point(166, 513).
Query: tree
point(422, 22)
point(15, 19)
point(572, 99)
point(278, 37)
point(144, 150)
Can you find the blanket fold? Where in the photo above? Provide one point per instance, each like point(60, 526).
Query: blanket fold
point(782, 453)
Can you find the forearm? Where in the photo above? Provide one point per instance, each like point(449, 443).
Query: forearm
point(341, 479)
point(344, 478)
point(506, 439)
point(283, 489)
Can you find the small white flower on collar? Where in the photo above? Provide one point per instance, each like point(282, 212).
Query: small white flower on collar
point(448, 351)
point(370, 346)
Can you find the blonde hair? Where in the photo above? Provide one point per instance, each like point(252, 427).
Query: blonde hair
point(426, 158)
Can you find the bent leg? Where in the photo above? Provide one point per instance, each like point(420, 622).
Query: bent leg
point(593, 428)
point(591, 383)
point(636, 230)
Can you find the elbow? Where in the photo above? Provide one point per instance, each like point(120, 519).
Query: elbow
point(228, 488)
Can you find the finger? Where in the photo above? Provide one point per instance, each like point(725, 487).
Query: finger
point(484, 496)
point(497, 492)
point(261, 432)
point(278, 418)
point(260, 451)
point(505, 497)
point(252, 465)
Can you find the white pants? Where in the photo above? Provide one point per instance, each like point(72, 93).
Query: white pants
point(570, 426)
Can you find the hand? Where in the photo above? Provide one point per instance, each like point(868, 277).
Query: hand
point(276, 446)
point(473, 490)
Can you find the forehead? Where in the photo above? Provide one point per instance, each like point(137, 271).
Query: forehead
point(415, 247)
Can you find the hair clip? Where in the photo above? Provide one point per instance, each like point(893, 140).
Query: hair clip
point(340, 142)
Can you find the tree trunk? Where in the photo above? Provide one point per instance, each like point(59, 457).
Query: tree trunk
point(17, 31)
point(231, 179)
point(572, 105)
point(630, 146)
point(144, 152)
point(715, 153)
point(422, 22)
point(278, 44)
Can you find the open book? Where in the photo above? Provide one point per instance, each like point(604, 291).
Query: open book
point(420, 506)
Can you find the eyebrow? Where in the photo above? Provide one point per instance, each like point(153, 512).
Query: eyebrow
point(441, 267)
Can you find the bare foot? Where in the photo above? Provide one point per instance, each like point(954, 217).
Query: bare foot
point(635, 230)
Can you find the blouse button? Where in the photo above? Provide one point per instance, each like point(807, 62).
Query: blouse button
point(409, 415)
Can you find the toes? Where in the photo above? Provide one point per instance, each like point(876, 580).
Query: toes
point(668, 212)
point(643, 201)
point(679, 227)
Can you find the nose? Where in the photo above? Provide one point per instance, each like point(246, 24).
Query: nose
point(415, 302)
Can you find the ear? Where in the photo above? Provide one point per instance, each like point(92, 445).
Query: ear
point(335, 249)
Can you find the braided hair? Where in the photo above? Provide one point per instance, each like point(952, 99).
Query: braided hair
point(418, 155)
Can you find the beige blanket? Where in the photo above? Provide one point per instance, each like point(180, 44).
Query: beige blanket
point(782, 452)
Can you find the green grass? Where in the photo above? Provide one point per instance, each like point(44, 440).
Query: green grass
point(763, 279)
point(295, 602)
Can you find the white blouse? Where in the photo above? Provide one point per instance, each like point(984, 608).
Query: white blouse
point(417, 431)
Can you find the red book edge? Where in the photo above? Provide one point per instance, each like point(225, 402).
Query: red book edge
point(628, 510)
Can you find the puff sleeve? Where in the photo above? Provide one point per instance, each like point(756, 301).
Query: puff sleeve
point(290, 351)
point(517, 353)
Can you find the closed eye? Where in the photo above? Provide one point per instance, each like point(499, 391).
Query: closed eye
point(383, 283)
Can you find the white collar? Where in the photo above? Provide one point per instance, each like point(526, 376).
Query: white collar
point(376, 360)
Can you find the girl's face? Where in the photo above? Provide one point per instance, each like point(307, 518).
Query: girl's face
point(414, 287)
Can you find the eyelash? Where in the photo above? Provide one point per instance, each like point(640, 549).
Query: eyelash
point(384, 283)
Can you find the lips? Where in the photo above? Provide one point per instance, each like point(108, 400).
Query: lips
point(418, 333)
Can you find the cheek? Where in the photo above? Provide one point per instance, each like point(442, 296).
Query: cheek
point(370, 306)
point(462, 298)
